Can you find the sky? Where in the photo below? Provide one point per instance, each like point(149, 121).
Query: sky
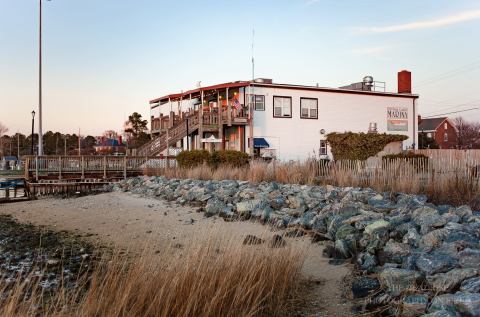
point(104, 59)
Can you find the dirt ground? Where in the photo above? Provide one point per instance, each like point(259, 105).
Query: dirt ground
point(127, 221)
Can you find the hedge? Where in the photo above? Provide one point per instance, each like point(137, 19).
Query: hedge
point(189, 159)
point(192, 158)
point(359, 146)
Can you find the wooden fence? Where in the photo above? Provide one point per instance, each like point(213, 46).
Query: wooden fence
point(450, 155)
point(80, 167)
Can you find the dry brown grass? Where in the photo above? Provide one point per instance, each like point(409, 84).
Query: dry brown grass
point(442, 181)
point(216, 277)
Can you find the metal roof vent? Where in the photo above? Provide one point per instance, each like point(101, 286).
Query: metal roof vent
point(367, 83)
point(263, 80)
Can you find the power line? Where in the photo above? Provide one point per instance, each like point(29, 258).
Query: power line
point(442, 114)
point(452, 106)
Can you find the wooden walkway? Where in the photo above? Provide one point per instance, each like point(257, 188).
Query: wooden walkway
point(79, 168)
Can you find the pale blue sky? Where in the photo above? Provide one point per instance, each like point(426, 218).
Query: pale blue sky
point(104, 59)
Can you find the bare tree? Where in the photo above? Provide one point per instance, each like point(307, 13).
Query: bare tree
point(468, 133)
point(3, 130)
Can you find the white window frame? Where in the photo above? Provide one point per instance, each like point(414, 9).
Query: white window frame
point(256, 103)
point(445, 137)
point(309, 108)
point(445, 126)
point(323, 147)
point(283, 106)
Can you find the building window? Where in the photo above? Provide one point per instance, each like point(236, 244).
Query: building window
point(308, 108)
point(323, 147)
point(282, 107)
point(445, 126)
point(429, 135)
point(258, 102)
point(445, 137)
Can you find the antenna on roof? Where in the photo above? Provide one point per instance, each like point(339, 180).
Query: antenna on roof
point(199, 84)
point(253, 59)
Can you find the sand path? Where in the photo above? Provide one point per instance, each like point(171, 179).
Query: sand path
point(129, 221)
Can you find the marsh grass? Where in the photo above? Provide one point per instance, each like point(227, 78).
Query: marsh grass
point(217, 276)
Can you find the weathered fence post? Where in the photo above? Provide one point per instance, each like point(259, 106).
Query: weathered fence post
point(83, 168)
point(105, 167)
point(59, 167)
point(36, 168)
point(27, 169)
point(125, 167)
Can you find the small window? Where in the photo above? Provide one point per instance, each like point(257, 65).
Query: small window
point(445, 126)
point(282, 107)
point(308, 108)
point(323, 147)
point(445, 137)
point(429, 135)
point(258, 102)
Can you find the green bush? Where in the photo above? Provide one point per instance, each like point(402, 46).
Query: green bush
point(229, 157)
point(189, 159)
point(359, 146)
point(192, 158)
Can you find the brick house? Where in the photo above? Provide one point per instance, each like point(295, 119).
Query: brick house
point(441, 130)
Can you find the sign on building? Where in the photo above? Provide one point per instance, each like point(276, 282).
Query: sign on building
point(397, 119)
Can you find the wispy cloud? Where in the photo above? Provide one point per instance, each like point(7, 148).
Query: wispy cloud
point(374, 50)
point(426, 24)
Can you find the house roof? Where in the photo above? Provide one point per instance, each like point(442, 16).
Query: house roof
point(276, 85)
point(430, 124)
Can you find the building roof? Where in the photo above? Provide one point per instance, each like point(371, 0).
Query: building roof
point(275, 85)
point(430, 124)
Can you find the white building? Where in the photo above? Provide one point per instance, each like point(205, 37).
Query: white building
point(289, 122)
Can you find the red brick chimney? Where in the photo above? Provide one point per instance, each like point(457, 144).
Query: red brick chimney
point(404, 82)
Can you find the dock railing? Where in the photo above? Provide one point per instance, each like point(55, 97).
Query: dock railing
point(80, 167)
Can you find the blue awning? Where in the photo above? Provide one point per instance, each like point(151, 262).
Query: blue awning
point(260, 143)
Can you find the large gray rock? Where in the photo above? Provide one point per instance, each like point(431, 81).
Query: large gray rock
point(363, 286)
point(377, 226)
point(435, 262)
point(467, 304)
point(470, 258)
point(442, 302)
point(446, 282)
point(398, 280)
point(427, 218)
point(214, 207)
point(394, 252)
point(471, 285)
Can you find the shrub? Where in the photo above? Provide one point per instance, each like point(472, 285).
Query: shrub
point(189, 159)
point(359, 146)
point(229, 158)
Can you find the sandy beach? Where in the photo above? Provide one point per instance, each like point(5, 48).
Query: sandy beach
point(126, 221)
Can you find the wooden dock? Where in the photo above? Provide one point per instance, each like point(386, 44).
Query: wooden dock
point(80, 168)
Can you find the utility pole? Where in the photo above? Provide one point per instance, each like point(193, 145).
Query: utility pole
point(18, 146)
point(79, 152)
point(65, 145)
point(40, 133)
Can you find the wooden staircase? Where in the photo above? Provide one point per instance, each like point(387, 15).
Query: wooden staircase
point(174, 134)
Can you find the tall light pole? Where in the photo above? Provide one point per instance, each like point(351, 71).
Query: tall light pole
point(40, 133)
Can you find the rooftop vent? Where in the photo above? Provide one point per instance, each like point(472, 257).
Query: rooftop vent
point(263, 80)
point(367, 84)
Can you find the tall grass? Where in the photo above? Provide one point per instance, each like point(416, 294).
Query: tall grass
point(216, 277)
point(444, 181)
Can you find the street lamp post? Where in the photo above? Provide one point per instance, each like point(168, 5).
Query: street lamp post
point(40, 133)
point(33, 131)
